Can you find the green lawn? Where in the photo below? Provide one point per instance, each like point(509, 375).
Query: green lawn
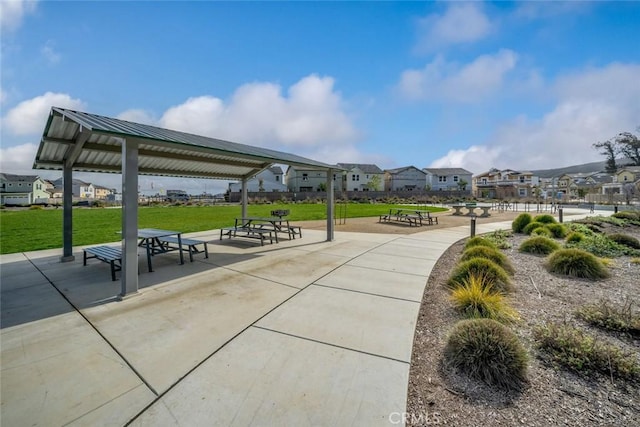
point(30, 230)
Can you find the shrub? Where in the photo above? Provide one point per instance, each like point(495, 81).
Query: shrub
point(545, 219)
point(475, 299)
point(520, 222)
point(532, 226)
point(539, 245)
point(558, 231)
point(602, 246)
point(490, 254)
point(576, 263)
point(493, 274)
point(542, 231)
point(625, 240)
point(628, 215)
point(479, 241)
point(575, 237)
point(578, 351)
point(499, 238)
point(605, 315)
point(35, 208)
point(488, 351)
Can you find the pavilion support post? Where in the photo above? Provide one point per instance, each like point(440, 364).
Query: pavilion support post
point(129, 274)
point(67, 214)
point(330, 205)
point(244, 198)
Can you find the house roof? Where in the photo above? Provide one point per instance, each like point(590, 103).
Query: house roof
point(93, 143)
point(276, 170)
point(18, 178)
point(398, 170)
point(446, 171)
point(364, 167)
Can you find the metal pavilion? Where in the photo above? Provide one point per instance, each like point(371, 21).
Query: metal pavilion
point(78, 141)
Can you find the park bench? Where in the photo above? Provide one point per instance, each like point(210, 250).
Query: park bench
point(172, 242)
point(400, 216)
point(108, 254)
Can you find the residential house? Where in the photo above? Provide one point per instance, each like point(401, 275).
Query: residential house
point(22, 189)
point(408, 178)
point(101, 192)
point(448, 179)
point(575, 185)
point(80, 189)
point(270, 179)
point(625, 180)
point(303, 180)
point(507, 183)
point(361, 177)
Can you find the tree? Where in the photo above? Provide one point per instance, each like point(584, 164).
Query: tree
point(462, 185)
point(629, 146)
point(609, 150)
point(374, 183)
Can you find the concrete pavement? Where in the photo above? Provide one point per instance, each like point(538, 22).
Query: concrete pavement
point(305, 332)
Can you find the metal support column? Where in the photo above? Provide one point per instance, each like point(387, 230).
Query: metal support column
point(330, 205)
point(129, 276)
point(244, 200)
point(67, 214)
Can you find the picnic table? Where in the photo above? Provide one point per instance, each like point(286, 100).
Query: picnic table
point(151, 239)
point(412, 216)
point(261, 228)
point(471, 207)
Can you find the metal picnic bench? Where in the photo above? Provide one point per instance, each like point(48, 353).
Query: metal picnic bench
point(171, 242)
point(108, 254)
point(412, 216)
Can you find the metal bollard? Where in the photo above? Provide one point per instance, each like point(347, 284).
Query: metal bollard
point(615, 209)
point(473, 225)
point(560, 215)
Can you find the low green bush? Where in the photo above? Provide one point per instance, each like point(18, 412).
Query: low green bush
point(475, 299)
point(580, 352)
point(500, 238)
point(488, 253)
point(602, 246)
point(479, 241)
point(493, 274)
point(532, 226)
point(606, 315)
point(487, 351)
point(520, 222)
point(576, 263)
point(545, 219)
point(558, 231)
point(628, 215)
point(542, 231)
point(626, 240)
point(539, 245)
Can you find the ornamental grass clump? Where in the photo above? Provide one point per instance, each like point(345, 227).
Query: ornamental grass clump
point(476, 300)
point(575, 237)
point(545, 219)
point(532, 226)
point(490, 254)
point(539, 245)
point(558, 231)
point(493, 274)
point(582, 353)
point(576, 263)
point(487, 351)
point(542, 231)
point(521, 222)
point(626, 240)
point(479, 241)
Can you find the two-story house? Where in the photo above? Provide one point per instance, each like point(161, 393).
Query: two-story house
point(361, 177)
point(269, 180)
point(302, 180)
point(506, 183)
point(448, 179)
point(407, 178)
point(626, 179)
point(80, 189)
point(22, 189)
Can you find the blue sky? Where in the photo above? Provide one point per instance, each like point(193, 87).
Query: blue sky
point(524, 85)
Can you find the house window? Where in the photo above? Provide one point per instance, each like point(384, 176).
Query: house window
point(277, 178)
point(442, 179)
point(355, 177)
point(522, 179)
point(305, 177)
point(625, 178)
point(455, 178)
point(522, 192)
point(484, 180)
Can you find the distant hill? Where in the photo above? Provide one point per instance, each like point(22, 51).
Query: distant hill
point(584, 168)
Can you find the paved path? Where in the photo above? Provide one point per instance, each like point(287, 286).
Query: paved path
point(305, 332)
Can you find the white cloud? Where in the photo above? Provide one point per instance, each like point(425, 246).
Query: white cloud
point(12, 13)
point(29, 117)
point(449, 82)
point(138, 116)
point(592, 106)
point(310, 114)
point(461, 23)
point(49, 52)
point(18, 159)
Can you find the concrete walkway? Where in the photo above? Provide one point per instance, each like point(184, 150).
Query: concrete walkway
point(305, 332)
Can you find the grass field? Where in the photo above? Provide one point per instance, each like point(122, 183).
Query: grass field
point(30, 230)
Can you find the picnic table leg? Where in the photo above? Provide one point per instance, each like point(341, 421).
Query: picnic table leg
point(180, 246)
point(148, 255)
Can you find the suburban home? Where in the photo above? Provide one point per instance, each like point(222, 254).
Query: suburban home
point(361, 177)
point(22, 189)
point(408, 178)
point(101, 192)
point(626, 180)
point(507, 183)
point(448, 179)
point(81, 189)
point(270, 179)
point(302, 180)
